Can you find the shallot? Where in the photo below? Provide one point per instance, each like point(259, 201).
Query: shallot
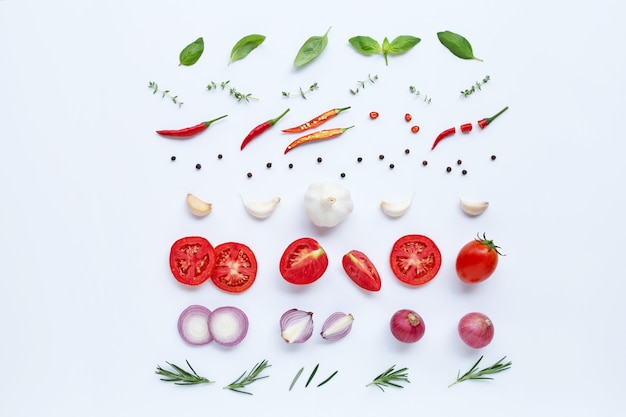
point(337, 326)
point(193, 325)
point(476, 330)
point(228, 325)
point(296, 326)
point(407, 326)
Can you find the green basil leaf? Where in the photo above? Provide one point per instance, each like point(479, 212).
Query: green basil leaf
point(192, 52)
point(365, 45)
point(457, 44)
point(244, 46)
point(402, 44)
point(386, 49)
point(311, 49)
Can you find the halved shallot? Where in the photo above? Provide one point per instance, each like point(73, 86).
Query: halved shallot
point(193, 325)
point(296, 326)
point(228, 325)
point(337, 326)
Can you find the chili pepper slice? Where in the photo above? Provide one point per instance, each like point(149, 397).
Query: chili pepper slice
point(466, 128)
point(188, 131)
point(321, 134)
point(322, 118)
point(415, 129)
point(408, 117)
point(374, 115)
point(260, 129)
point(484, 122)
point(443, 135)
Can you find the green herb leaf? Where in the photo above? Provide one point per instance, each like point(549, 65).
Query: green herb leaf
point(311, 49)
point(244, 46)
point(457, 44)
point(365, 45)
point(248, 378)
point(192, 52)
point(181, 376)
point(386, 49)
point(402, 44)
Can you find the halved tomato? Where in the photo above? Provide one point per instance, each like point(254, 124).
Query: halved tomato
point(361, 270)
point(192, 260)
point(415, 259)
point(235, 267)
point(303, 262)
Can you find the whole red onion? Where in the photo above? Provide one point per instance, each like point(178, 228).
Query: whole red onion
point(476, 330)
point(407, 326)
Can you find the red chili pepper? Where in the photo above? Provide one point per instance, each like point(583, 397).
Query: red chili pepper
point(442, 135)
point(188, 131)
point(408, 117)
point(260, 129)
point(466, 128)
point(374, 115)
point(322, 118)
point(321, 134)
point(484, 122)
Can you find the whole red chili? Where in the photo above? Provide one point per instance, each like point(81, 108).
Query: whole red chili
point(260, 129)
point(373, 115)
point(408, 117)
point(188, 131)
point(443, 135)
point(322, 118)
point(484, 122)
point(466, 128)
point(321, 134)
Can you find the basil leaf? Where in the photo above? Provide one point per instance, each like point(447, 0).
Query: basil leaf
point(192, 52)
point(311, 49)
point(365, 45)
point(457, 44)
point(402, 44)
point(244, 46)
point(386, 49)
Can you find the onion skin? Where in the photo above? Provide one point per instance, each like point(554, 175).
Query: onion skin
point(296, 326)
point(337, 326)
point(407, 326)
point(238, 327)
point(189, 316)
point(476, 330)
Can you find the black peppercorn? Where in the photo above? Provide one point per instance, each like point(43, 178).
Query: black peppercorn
point(381, 157)
point(198, 166)
point(407, 151)
point(359, 159)
point(249, 174)
point(219, 156)
point(269, 165)
point(459, 162)
point(493, 157)
point(290, 166)
point(343, 175)
point(173, 158)
point(448, 169)
point(424, 162)
point(391, 166)
point(464, 172)
point(319, 159)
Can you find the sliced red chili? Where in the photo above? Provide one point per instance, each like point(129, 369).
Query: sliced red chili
point(373, 115)
point(415, 129)
point(408, 117)
point(319, 135)
point(322, 118)
point(466, 128)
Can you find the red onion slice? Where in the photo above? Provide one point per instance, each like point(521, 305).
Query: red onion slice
point(228, 325)
point(296, 326)
point(193, 325)
point(337, 326)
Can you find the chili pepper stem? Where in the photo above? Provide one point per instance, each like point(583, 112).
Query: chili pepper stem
point(491, 119)
point(272, 122)
point(207, 124)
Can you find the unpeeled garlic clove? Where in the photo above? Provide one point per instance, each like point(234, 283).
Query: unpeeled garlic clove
point(474, 208)
point(396, 208)
point(197, 206)
point(261, 209)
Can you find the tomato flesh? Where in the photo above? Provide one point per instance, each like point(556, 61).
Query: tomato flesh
point(361, 270)
point(476, 261)
point(235, 267)
point(303, 262)
point(415, 259)
point(192, 260)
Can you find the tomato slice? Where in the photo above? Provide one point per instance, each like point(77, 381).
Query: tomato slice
point(192, 260)
point(303, 262)
point(361, 270)
point(415, 259)
point(235, 267)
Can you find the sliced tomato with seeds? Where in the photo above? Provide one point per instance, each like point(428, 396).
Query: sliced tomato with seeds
point(235, 267)
point(415, 259)
point(361, 270)
point(303, 262)
point(192, 259)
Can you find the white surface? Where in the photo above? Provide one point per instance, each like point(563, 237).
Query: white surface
point(92, 203)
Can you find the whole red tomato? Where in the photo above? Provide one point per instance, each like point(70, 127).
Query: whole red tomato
point(477, 260)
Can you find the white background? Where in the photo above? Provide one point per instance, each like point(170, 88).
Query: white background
point(92, 203)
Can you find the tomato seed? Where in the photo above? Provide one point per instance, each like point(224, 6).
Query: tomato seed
point(173, 158)
point(249, 174)
point(464, 172)
point(198, 166)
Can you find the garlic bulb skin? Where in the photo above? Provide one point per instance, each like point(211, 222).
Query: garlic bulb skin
point(327, 204)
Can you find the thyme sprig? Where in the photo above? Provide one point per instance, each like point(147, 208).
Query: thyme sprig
point(164, 93)
point(245, 380)
point(418, 93)
point(475, 373)
point(301, 93)
point(232, 91)
point(361, 84)
point(181, 376)
point(477, 86)
point(390, 378)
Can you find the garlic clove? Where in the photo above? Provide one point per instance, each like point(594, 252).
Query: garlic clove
point(473, 208)
point(197, 206)
point(296, 326)
point(337, 326)
point(396, 208)
point(261, 209)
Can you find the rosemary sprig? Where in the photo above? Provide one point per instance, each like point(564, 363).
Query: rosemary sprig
point(327, 379)
point(301, 93)
point(181, 376)
point(418, 93)
point(387, 378)
point(477, 86)
point(475, 373)
point(295, 378)
point(164, 93)
point(312, 375)
point(232, 91)
point(245, 380)
point(361, 84)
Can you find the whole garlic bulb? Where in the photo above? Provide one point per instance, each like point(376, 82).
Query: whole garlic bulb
point(327, 204)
